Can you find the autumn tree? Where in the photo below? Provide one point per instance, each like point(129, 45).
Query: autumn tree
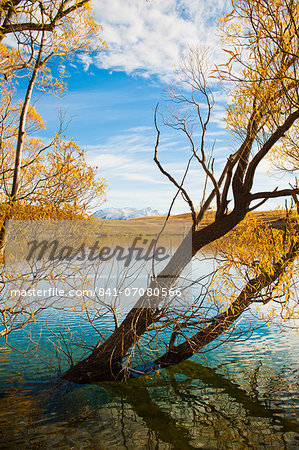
point(261, 41)
point(24, 20)
point(41, 180)
point(55, 30)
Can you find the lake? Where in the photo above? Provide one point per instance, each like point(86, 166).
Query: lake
point(241, 394)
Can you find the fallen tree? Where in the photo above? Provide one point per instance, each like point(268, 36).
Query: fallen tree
point(263, 68)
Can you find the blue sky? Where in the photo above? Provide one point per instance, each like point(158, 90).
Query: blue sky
point(112, 96)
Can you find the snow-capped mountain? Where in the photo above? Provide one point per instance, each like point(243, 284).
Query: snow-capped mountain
point(125, 213)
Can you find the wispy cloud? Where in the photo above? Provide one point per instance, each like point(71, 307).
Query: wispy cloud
point(151, 37)
point(140, 177)
point(109, 161)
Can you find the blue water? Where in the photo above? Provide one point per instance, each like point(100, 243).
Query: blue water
point(242, 394)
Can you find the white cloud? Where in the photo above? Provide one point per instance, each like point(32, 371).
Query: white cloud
point(126, 143)
point(86, 60)
point(140, 177)
point(108, 161)
point(151, 37)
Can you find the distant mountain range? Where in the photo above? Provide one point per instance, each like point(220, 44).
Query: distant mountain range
point(125, 213)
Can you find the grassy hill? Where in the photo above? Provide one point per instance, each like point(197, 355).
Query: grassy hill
point(177, 224)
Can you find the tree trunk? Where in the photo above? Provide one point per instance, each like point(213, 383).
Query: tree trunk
point(19, 150)
point(105, 361)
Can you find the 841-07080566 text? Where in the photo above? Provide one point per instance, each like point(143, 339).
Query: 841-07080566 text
point(110, 292)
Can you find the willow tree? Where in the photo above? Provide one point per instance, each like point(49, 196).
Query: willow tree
point(42, 32)
point(40, 180)
point(23, 19)
point(261, 40)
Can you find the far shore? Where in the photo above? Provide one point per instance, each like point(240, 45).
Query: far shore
point(176, 229)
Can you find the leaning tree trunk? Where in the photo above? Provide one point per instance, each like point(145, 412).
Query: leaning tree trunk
point(105, 361)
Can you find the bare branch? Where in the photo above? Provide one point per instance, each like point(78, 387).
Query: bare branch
point(167, 174)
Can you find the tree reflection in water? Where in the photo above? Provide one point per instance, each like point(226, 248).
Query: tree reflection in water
point(190, 406)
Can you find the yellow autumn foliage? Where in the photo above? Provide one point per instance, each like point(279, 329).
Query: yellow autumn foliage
point(54, 178)
point(255, 247)
point(261, 39)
